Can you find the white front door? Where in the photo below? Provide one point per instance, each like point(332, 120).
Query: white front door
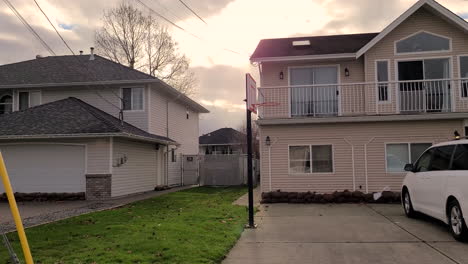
point(45, 167)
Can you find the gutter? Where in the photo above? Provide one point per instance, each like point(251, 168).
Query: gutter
point(37, 85)
point(89, 135)
point(308, 57)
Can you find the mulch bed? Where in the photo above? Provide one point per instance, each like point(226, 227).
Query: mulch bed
point(336, 197)
point(41, 197)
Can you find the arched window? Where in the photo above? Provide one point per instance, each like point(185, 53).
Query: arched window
point(6, 104)
point(423, 42)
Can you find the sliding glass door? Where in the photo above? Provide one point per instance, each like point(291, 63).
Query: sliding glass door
point(424, 85)
point(314, 91)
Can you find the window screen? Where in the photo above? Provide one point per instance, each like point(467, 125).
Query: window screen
point(132, 98)
point(397, 157)
point(322, 159)
point(464, 76)
point(23, 100)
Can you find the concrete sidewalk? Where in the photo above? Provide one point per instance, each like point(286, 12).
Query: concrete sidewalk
point(348, 233)
point(37, 213)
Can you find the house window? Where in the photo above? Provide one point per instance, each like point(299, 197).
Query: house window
point(311, 159)
point(464, 76)
point(382, 79)
point(423, 42)
point(398, 155)
point(132, 99)
point(173, 156)
point(322, 159)
point(299, 159)
point(28, 99)
point(6, 104)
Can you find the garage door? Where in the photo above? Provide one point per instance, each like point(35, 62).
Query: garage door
point(45, 167)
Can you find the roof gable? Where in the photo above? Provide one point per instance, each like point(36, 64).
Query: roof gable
point(223, 136)
point(433, 5)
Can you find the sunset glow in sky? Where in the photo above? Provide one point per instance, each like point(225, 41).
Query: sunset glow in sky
point(235, 25)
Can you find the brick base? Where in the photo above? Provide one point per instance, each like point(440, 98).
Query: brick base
point(98, 186)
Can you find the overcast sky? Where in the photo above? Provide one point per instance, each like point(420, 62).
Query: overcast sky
point(232, 25)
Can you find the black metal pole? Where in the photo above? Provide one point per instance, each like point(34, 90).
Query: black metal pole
point(249, 168)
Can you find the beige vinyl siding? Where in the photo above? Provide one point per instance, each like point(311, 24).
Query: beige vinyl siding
point(375, 135)
point(421, 20)
point(139, 173)
point(97, 151)
point(184, 131)
point(105, 98)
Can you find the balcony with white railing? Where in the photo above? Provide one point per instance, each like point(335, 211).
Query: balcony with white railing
point(358, 99)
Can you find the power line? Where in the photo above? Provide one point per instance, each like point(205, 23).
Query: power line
point(183, 29)
point(28, 26)
point(191, 10)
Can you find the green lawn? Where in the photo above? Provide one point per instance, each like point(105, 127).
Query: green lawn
point(193, 226)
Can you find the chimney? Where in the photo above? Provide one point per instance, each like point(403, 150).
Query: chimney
point(91, 56)
point(81, 52)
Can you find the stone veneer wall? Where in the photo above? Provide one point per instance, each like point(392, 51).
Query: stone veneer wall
point(98, 186)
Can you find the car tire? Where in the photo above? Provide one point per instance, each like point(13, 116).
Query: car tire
point(407, 204)
point(456, 221)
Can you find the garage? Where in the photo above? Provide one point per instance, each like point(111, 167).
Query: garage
point(45, 167)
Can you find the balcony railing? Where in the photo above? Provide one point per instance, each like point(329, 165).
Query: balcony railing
point(354, 99)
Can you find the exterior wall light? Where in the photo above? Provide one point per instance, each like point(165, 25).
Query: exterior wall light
point(281, 75)
point(268, 141)
point(346, 72)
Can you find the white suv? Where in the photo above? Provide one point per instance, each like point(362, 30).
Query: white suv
point(437, 185)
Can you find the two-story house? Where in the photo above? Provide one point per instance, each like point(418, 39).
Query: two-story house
point(349, 111)
point(84, 124)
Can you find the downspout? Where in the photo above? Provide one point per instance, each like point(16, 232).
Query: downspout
point(269, 166)
point(365, 163)
point(352, 159)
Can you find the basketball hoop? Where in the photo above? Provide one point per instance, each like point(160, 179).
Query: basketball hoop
point(267, 104)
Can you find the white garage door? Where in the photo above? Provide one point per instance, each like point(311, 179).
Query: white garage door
point(45, 167)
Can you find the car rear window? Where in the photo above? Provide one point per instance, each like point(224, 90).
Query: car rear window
point(441, 158)
point(460, 159)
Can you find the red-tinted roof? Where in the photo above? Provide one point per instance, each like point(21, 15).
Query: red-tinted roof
point(319, 45)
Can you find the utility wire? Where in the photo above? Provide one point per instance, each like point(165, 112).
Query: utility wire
point(181, 28)
point(77, 59)
point(191, 10)
point(28, 26)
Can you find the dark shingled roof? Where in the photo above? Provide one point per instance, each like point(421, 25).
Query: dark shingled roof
point(69, 116)
point(320, 45)
point(66, 69)
point(222, 136)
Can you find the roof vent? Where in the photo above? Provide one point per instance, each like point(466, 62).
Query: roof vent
point(91, 56)
point(38, 56)
point(301, 43)
point(81, 52)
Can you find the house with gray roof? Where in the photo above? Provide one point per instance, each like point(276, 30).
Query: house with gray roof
point(224, 141)
point(85, 124)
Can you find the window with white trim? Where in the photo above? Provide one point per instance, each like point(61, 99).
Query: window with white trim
point(464, 76)
point(6, 104)
point(398, 155)
point(28, 99)
point(382, 79)
point(422, 42)
point(311, 159)
point(132, 99)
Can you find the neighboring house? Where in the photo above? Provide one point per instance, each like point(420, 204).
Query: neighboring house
point(351, 110)
point(87, 124)
point(223, 141)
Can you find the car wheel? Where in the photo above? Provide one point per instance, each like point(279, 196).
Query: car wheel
point(457, 222)
point(407, 205)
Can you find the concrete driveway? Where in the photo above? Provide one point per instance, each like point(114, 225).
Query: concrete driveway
point(347, 233)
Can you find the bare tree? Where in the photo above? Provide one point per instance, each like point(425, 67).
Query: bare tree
point(139, 41)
